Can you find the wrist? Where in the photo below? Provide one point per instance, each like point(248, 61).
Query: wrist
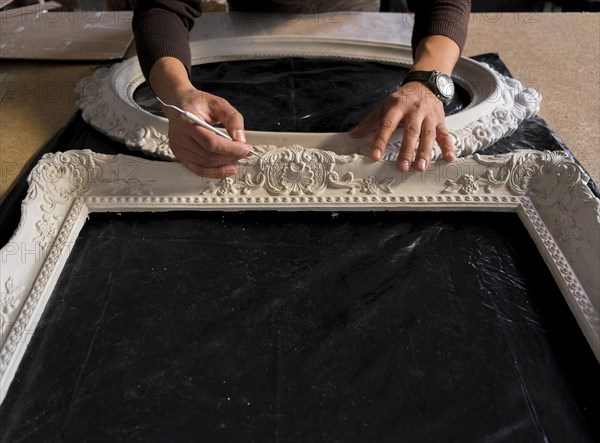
point(440, 84)
point(436, 53)
point(169, 80)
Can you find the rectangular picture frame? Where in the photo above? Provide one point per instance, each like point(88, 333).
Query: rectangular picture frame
point(546, 189)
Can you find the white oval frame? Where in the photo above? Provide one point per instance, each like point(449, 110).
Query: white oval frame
point(499, 103)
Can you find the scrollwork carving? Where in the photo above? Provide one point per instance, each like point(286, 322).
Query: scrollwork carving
point(296, 171)
point(515, 104)
point(550, 176)
point(98, 98)
point(551, 179)
point(61, 176)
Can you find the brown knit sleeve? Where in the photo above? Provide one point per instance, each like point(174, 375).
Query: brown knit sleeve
point(161, 29)
point(441, 17)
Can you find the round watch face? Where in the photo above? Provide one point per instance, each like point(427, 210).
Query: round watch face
point(445, 85)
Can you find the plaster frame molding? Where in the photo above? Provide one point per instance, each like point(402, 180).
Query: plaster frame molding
point(547, 190)
point(499, 103)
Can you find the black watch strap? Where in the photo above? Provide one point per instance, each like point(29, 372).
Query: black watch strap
point(418, 76)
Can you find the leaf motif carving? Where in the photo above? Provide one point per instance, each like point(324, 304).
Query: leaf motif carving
point(47, 228)
point(9, 297)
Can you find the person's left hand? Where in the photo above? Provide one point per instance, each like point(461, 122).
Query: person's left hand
point(421, 114)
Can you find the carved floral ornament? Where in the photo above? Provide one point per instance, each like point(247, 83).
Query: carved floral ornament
point(299, 171)
point(547, 189)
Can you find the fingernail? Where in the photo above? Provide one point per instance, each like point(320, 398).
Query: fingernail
point(377, 154)
point(405, 165)
point(240, 136)
point(421, 164)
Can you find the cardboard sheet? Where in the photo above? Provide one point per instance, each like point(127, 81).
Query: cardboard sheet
point(389, 28)
point(29, 9)
point(65, 35)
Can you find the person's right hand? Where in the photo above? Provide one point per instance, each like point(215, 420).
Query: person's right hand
point(200, 150)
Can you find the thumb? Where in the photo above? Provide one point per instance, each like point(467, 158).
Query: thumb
point(231, 119)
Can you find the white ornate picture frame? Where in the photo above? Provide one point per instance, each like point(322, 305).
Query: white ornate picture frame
point(547, 190)
point(498, 103)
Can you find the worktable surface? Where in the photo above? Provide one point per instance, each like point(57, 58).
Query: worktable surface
point(556, 53)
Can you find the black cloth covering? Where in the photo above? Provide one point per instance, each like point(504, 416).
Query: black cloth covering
point(305, 327)
point(292, 96)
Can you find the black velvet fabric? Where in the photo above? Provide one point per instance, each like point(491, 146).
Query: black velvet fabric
point(287, 327)
point(298, 95)
point(294, 327)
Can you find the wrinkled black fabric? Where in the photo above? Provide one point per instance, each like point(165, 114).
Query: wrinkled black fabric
point(294, 327)
point(299, 95)
point(303, 327)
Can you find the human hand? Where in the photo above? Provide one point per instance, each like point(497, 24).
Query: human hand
point(200, 150)
point(414, 107)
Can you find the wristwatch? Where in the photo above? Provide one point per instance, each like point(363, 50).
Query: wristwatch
point(439, 83)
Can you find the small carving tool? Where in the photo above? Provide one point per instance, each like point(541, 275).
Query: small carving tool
point(201, 122)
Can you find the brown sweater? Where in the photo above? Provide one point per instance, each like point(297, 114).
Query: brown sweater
point(161, 27)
